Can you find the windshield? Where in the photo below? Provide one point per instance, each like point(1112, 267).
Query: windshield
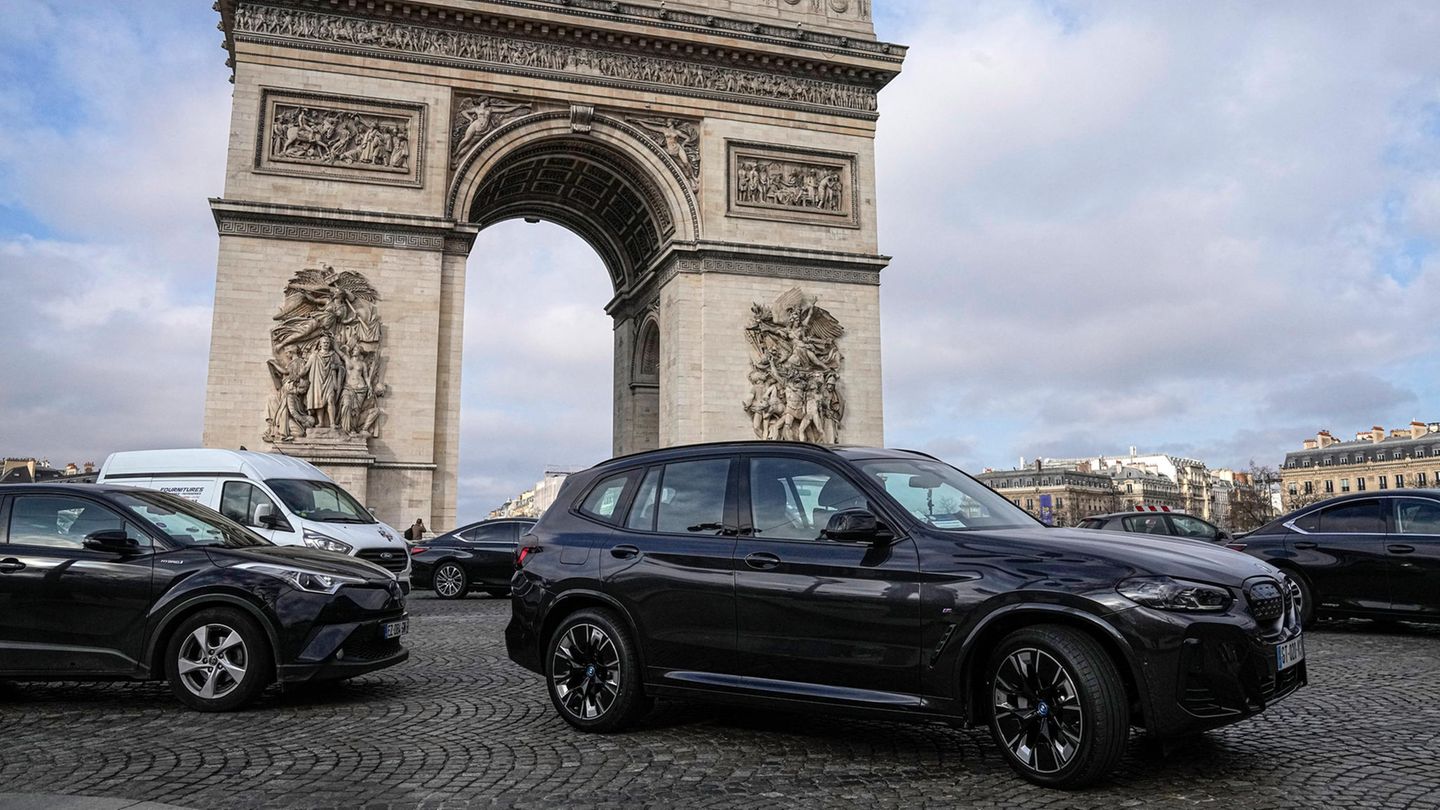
point(321, 501)
point(941, 496)
point(188, 523)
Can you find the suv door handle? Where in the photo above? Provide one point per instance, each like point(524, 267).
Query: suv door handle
point(762, 560)
point(624, 552)
point(1306, 544)
point(10, 565)
point(1400, 548)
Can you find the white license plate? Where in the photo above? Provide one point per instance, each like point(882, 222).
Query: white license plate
point(1290, 653)
point(395, 629)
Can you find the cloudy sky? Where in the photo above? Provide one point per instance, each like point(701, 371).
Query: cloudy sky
point(1200, 228)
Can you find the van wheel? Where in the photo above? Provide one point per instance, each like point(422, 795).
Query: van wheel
point(218, 660)
point(451, 582)
point(593, 672)
point(1058, 709)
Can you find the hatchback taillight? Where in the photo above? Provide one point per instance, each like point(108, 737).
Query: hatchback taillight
point(523, 553)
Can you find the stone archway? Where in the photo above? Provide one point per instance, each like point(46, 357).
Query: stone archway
point(721, 166)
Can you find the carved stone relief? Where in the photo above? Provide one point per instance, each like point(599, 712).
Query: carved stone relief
point(680, 140)
point(325, 360)
point(340, 138)
point(571, 62)
point(795, 364)
point(477, 116)
point(795, 185)
point(839, 7)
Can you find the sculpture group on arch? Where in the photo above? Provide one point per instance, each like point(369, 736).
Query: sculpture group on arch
point(795, 371)
point(325, 359)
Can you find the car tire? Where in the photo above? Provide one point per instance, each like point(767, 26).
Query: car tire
point(450, 581)
point(1057, 706)
point(1307, 598)
point(592, 670)
point(499, 593)
point(218, 660)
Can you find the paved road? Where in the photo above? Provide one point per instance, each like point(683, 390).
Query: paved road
point(459, 726)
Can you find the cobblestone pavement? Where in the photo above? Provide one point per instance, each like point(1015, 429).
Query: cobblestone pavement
point(460, 726)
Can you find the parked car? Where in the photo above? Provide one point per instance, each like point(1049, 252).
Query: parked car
point(1371, 555)
point(480, 556)
point(100, 582)
point(286, 500)
point(807, 578)
point(1169, 523)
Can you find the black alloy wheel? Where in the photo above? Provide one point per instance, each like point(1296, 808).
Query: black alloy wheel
point(1058, 708)
point(593, 672)
point(218, 660)
point(450, 581)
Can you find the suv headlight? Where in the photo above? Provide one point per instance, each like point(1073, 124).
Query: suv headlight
point(1174, 594)
point(325, 542)
point(311, 581)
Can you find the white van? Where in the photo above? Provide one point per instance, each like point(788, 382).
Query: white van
point(286, 500)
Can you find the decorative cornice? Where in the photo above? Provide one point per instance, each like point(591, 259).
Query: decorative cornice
point(427, 44)
point(338, 227)
point(608, 11)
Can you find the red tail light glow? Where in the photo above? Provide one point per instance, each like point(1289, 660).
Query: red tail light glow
point(419, 549)
point(1236, 546)
point(522, 553)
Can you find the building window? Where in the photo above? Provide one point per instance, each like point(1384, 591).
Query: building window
point(1396, 456)
point(1399, 480)
point(1359, 484)
point(1309, 462)
point(1420, 479)
point(1309, 487)
point(1329, 486)
point(1344, 459)
point(1382, 479)
point(1129, 487)
point(1059, 503)
point(1029, 504)
point(1294, 490)
point(1344, 484)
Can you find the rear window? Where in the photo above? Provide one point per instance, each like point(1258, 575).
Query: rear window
point(604, 498)
point(1090, 523)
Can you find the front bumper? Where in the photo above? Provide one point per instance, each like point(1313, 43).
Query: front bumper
point(1198, 672)
point(344, 651)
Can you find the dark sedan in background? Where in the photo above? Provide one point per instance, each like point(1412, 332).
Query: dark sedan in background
point(477, 557)
point(1369, 555)
point(1167, 523)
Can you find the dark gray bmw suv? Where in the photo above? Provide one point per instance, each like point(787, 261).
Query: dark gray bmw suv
point(887, 582)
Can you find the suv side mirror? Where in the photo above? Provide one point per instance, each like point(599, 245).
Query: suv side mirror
point(852, 526)
point(113, 541)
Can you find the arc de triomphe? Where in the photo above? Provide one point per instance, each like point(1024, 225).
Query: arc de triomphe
point(718, 156)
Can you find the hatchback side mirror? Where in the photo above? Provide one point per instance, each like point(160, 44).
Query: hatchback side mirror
point(113, 541)
point(852, 526)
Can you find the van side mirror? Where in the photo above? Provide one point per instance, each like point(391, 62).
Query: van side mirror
point(852, 526)
point(112, 541)
point(265, 516)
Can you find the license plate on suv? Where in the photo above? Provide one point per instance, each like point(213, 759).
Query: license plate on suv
point(1290, 653)
point(395, 629)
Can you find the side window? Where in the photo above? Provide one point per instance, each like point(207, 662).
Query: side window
point(604, 498)
point(1147, 524)
point(793, 499)
point(1186, 526)
point(692, 497)
point(492, 533)
point(1361, 517)
point(1308, 523)
point(239, 499)
point(1416, 516)
point(642, 514)
point(60, 521)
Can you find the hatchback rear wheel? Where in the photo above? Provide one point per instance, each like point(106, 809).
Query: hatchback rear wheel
point(593, 672)
point(1058, 708)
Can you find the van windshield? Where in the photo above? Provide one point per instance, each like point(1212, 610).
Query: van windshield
point(321, 501)
point(186, 522)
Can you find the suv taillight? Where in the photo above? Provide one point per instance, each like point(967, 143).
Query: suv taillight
point(527, 547)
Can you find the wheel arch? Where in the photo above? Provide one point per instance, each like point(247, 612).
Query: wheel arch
point(182, 610)
point(574, 601)
point(977, 647)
